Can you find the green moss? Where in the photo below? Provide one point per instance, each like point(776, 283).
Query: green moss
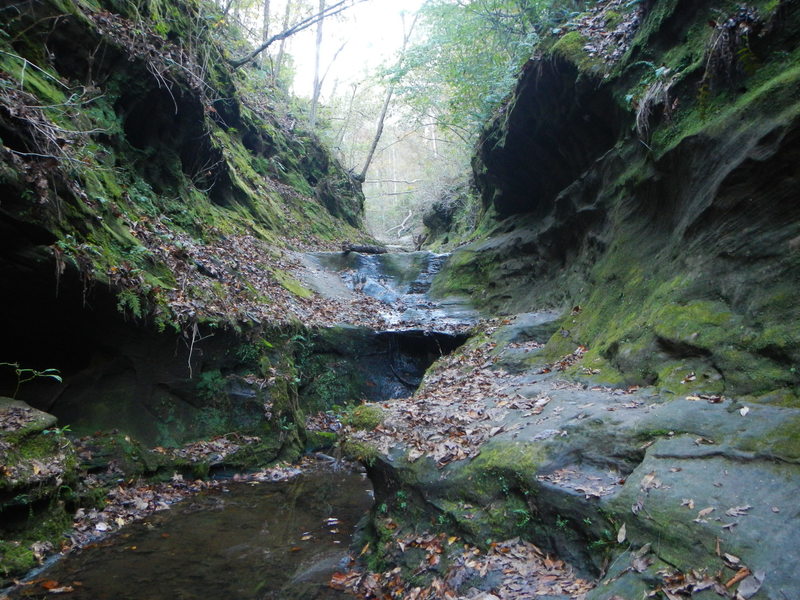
point(365, 417)
point(363, 452)
point(773, 85)
point(613, 19)
point(782, 442)
point(46, 525)
point(291, 284)
point(571, 47)
point(319, 440)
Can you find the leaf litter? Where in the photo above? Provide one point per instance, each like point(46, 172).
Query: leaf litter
point(523, 572)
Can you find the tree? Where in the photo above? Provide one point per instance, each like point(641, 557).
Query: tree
point(312, 115)
point(287, 15)
point(265, 26)
point(329, 11)
point(382, 118)
point(455, 82)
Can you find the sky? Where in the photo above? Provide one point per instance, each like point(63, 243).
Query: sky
point(373, 32)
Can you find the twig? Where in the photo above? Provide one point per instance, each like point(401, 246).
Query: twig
point(43, 72)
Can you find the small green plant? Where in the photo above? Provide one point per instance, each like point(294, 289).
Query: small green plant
point(24, 375)
point(402, 499)
point(606, 540)
point(57, 430)
point(524, 516)
point(128, 301)
point(561, 522)
point(211, 385)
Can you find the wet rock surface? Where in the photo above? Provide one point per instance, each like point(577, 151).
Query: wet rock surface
point(401, 281)
point(644, 490)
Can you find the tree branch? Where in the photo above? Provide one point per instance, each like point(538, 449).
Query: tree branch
point(329, 11)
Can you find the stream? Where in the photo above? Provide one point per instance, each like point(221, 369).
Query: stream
point(400, 280)
point(239, 542)
point(246, 541)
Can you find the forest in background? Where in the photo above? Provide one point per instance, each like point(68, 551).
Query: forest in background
point(422, 105)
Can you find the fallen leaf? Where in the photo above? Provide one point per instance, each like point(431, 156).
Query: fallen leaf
point(621, 534)
point(731, 559)
point(738, 511)
point(61, 590)
point(635, 508)
point(705, 512)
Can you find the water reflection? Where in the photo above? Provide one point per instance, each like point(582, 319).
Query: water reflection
point(273, 540)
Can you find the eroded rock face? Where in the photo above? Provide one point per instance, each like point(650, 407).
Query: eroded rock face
point(555, 126)
point(38, 470)
point(650, 435)
point(677, 242)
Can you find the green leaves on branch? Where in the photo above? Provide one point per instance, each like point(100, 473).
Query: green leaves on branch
point(24, 375)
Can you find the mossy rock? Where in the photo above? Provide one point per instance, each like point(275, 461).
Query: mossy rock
point(571, 47)
point(365, 417)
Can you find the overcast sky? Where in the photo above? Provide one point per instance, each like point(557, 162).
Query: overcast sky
point(373, 31)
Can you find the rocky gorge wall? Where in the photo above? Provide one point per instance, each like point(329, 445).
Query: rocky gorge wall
point(633, 406)
point(653, 198)
point(151, 198)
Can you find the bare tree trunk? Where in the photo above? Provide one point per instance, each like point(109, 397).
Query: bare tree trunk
point(312, 115)
point(279, 59)
point(340, 135)
point(378, 133)
point(264, 31)
point(389, 92)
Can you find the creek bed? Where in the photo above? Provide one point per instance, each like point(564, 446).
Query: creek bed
point(240, 542)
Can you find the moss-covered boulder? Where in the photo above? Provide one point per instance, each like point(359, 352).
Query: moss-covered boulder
point(38, 473)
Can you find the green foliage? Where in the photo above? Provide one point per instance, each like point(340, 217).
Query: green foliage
point(253, 351)
point(211, 385)
point(451, 78)
point(24, 375)
point(57, 430)
point(129, 302)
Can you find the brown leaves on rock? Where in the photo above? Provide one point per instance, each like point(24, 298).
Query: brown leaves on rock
point(566, 361)
point(523, 570)
point(127, 503)
point(590, 485)
point(677, 584)
point(14, 418)
point(453, 415)
point(608, 37)
point(213, 451)
point(238, 278)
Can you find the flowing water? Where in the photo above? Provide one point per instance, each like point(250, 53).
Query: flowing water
point(402, 281)
point(243, 542)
